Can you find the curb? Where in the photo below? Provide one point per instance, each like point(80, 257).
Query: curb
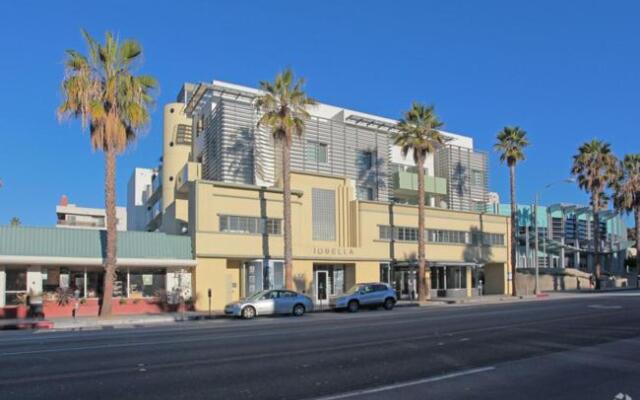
point(24, 325)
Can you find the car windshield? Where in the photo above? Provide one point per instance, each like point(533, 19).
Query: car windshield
point(257, 295)
point(354, 289)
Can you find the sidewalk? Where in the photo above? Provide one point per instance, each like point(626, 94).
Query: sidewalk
point(496, 299)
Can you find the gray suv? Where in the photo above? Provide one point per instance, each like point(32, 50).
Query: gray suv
point(366, 295)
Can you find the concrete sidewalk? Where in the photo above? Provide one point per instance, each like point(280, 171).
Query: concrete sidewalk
point(496, 299)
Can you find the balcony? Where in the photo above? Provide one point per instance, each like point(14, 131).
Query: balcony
point(190, 172)
point(405, 182)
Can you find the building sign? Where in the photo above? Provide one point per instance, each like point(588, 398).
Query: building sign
point(332, 251)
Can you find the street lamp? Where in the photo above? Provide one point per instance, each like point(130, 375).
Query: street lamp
point(535, 219)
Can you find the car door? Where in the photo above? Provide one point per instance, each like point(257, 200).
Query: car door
point(266, 304)
point(284, 302)
point(379, 293)
point(367, 295)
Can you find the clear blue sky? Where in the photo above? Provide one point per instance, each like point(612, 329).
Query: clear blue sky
point(565, 71)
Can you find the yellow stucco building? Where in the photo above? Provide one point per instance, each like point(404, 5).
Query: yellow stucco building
point(220, 185)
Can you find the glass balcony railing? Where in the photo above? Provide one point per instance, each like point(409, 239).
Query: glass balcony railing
point(408, 181)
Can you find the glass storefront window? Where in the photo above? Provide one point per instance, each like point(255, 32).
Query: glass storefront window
point(146, 282)
point(16, 286)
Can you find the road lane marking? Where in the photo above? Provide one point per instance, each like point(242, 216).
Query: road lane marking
point(386, 388)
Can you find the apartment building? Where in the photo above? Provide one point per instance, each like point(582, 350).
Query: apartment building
point(139, 191)
point(354, 207)
point(72, 216)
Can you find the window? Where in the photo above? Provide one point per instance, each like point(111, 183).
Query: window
point(366, 159)
point(16, 286)
point(323, 214)
point(317, 152)
point(487, 239)
point(146, 282)
point(385, 232)
point(365, 193)
point(477, 177)
point(251, 225)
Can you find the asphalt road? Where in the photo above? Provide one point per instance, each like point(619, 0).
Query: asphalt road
point(587, 348)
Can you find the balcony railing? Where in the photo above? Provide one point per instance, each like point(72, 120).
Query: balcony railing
point(408, 181)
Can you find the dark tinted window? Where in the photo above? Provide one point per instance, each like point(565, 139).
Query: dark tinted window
point(380, 288)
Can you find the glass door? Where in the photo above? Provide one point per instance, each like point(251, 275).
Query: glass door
point(322, 279)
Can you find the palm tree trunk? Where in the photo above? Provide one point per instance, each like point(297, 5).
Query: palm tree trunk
point(422, 283)
point(286, 190)
point(596, 238)
point(110, 209)
point(637, 215)
point(514, 227)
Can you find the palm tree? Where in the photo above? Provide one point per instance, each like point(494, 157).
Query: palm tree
point(101, 90)
point(594, 166)
point(511, 144)
point(15, 221)
point(627, 197)
point(418, 132)
point(284, 110)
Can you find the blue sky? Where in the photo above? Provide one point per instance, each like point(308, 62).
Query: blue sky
point(565, 71)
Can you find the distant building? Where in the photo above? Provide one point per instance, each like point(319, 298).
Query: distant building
point(566, 237)
point(71, 216)
point(139, 191)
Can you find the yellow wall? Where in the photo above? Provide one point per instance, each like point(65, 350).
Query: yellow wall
point(357, 243)
point(174, 157)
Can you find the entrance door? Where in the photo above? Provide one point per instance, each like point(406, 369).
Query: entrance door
point(322, 291)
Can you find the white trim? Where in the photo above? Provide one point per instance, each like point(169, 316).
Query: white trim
point(133, 262)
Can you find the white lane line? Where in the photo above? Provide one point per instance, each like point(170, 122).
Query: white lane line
point(386, 388)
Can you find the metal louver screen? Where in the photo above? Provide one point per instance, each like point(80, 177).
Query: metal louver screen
point(324, 214)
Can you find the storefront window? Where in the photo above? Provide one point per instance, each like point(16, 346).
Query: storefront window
point(146, 282)
point(456, 277)
point(16, 286)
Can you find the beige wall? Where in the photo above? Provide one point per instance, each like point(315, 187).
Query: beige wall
point(357, 244)
point(174, 157)
point(357, 225)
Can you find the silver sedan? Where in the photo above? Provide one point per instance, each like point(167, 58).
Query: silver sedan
point(270, 302)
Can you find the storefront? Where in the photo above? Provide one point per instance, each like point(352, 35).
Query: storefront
point(64, 267)
point(453, 280)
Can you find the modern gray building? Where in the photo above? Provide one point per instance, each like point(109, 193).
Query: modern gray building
point(337, 141)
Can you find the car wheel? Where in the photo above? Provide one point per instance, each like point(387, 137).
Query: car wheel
point(353, 306)
point(248, 312)
point(388, 304)
point(298, 310)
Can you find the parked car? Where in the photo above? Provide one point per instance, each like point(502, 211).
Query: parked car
point(270, 302)
point(366, 295)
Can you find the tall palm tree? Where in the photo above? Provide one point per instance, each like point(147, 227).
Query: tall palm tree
point(418, 133)
point(594, 166)
point(627, 197)
point(511, 142)
point(283, 106)
point(15, 221)
point(102, 91)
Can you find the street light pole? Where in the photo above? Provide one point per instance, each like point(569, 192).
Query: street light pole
point(537, 257)
point(535, 214)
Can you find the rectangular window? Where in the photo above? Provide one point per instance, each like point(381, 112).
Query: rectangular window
point(323, 214)
point(365, 193)
point(366, 160)
point(317, 152)
point(250, 225)
point(477, 177)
